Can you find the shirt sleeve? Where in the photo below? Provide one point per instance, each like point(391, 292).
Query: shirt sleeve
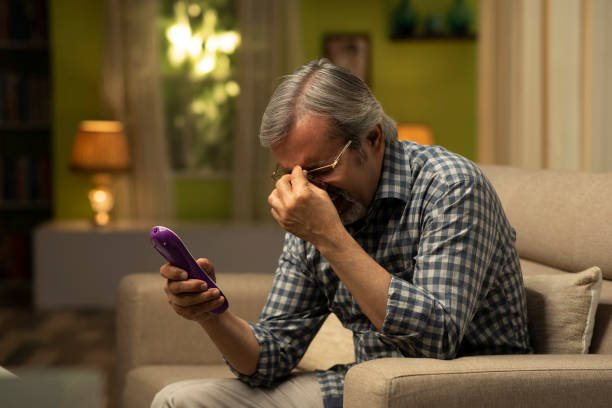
point(429, 316)
point(294, 312)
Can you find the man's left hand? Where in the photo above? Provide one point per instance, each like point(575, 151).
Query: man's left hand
point(302, 208)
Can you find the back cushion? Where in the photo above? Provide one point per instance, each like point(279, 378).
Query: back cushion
point(562, 218)
point(601, 342)
point(561, 310)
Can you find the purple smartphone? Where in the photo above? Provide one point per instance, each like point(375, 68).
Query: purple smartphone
point(170, 246)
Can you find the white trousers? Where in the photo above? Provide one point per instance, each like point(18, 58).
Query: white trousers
point(300, 390)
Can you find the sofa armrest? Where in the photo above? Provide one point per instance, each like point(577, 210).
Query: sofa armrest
point(499, 381)
point(150, 332)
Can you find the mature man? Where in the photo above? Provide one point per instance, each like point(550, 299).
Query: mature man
point(408, 245)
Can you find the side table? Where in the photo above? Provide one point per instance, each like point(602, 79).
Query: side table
point(76, 264)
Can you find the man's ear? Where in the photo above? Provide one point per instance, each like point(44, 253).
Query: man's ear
point(375, 137)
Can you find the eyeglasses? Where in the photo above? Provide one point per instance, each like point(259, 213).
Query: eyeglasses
point(316, 172)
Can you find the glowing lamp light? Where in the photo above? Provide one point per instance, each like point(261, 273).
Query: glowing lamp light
point(179, 34)
point(206, 65)
point(232, 88)
point(102, 201)
point(195, 46)
point(100, 148)
point(209, 20)
point(177, 55)
point(198, 106)
point(212, 44)
point(415, 132)
point(194, 10)
point(229, 41)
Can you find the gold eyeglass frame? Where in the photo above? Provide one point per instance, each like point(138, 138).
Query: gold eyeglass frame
point(275, 174)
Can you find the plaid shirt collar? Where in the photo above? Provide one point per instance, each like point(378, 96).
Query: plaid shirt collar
point(396, 178)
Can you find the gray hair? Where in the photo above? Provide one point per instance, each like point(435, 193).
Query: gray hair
point(323, 89)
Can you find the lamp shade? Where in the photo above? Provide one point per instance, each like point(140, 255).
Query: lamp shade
point(100, 147)
point(418, 133)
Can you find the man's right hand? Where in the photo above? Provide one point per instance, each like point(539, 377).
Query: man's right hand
point(191, 298)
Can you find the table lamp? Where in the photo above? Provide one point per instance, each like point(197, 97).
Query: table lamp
point(100, 148)
point(415, 132)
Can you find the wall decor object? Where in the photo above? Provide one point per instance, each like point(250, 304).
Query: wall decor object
point(418, 20)
point(459, 18)
point(404, 20)
point(350, 51)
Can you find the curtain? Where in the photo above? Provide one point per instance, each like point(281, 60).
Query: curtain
point(543, 89)
point(599, 84)
point(270, 48)
point(132, 94)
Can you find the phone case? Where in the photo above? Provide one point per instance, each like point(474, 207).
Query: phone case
point(170, 246)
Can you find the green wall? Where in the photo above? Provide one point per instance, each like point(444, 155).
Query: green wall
point(76, 69)
point(203, 199)
point(425, 81)
point(416, 81)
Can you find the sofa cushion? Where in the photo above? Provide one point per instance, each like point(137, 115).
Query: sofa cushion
point(481, 381)
point(561, 218)
point(561, 310)
point(332, 345)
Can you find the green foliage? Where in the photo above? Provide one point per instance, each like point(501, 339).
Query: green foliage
point(198, 63)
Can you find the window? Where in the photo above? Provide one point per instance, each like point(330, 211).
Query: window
point(198, 67)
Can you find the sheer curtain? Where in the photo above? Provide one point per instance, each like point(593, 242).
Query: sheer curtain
point(271, 47)
point(543, 87)
point(599, 85)
point(132, 94)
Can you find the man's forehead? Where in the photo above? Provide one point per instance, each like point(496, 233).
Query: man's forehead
point(307, 144)
point(306, 157)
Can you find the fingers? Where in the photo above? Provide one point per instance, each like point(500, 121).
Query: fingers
point(172, 272)
point(206, 264)
point(283, 186)
point(274, 200)
point(275, 214)
point(198, 312)
point(207, 267)
point(187, 286)
point(192, 299)
point(288, 189)
point(277, 207)
point(298, 180)
point(292, 183)
point(177, 279)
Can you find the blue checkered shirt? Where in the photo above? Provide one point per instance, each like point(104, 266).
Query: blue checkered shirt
point(437, 226)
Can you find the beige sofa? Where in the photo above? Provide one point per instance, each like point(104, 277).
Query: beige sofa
point(564, 224)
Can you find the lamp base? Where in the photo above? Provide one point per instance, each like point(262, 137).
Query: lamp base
point(101, 219)
point(101, 199)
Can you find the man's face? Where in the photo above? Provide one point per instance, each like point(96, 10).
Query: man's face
point(352, 183)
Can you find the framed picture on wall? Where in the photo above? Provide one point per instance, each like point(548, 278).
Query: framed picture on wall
point(351, 51)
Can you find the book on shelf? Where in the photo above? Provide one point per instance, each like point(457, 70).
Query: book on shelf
point(14, 255)
point(23, 98)
point(24, 181)
point(23, 21)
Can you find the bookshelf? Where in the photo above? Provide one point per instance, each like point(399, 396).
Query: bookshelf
point(25, 141)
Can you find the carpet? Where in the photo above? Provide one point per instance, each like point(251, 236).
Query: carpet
point(55, 346)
